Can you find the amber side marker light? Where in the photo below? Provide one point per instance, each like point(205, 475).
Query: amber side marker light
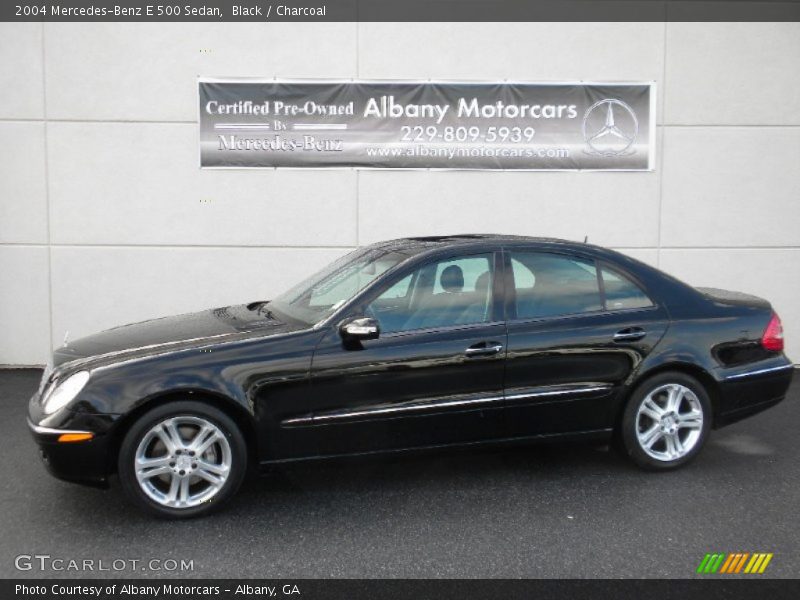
point(75, 437)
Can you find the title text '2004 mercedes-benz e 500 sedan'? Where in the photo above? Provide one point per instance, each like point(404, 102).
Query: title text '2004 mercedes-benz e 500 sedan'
point(410, 344)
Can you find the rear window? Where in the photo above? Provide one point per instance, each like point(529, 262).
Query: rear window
point(621, 293)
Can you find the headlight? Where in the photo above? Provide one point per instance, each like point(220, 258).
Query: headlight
point(65, 392)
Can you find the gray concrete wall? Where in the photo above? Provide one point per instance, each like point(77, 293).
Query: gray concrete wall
point(105, 217)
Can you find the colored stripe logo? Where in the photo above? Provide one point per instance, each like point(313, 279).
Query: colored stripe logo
point(735, 562)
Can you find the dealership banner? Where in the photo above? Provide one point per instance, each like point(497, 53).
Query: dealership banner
point(426, 125)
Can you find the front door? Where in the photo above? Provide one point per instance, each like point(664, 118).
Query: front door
point(435, 374)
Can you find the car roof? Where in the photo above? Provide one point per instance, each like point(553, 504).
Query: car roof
point(414, 245)
point(417, 247)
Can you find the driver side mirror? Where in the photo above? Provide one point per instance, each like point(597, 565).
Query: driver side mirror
point(360, 328)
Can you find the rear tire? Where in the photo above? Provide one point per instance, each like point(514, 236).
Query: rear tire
point(182, 459)
point(666, 421)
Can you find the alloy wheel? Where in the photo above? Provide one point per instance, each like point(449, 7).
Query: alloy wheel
point(669, 422)
point(183, 461)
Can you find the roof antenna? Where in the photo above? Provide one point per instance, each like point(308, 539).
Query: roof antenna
point(585, 239)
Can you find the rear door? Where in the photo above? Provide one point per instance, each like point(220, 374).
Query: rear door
point(576, 330)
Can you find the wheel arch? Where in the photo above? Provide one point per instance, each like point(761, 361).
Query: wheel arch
point(243, 419)
point(697, 372)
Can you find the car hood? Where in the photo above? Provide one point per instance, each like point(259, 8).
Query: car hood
point(178, 332)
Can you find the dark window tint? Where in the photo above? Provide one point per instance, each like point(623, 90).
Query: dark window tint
point(550, 284)
point(621, 292)
point(439, 294)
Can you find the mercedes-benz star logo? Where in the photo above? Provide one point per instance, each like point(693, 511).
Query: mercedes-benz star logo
point(610, 128)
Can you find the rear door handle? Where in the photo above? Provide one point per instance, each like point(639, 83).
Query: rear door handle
point(629, 334)
point(483, 349)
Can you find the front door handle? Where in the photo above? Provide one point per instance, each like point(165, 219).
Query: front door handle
point(483, 349)
point(629, 334)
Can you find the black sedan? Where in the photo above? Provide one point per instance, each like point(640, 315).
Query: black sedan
point(410, 344)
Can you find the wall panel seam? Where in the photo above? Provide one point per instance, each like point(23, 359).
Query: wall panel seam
point(47, 193)
point(661, 144)
point(358, 172)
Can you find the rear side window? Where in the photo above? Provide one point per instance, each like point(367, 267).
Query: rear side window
point(550, 285)
point(621, 293)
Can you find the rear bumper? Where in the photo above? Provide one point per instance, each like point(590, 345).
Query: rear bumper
point(746, 391)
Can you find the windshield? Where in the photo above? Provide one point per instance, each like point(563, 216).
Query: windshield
point(320, 295)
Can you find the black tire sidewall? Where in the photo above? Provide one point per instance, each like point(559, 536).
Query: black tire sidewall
point(628, 437)
point(126, 459)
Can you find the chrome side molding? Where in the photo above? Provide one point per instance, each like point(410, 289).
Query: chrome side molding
point(759, 372)
point(559, 390)
point(380, 410)
point(434, 404)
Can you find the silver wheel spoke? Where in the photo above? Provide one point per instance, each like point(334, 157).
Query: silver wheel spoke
point(169, 436)
point(204, 465)
point(651, 436)
point(670, 443)
point(183, 493)
point(152, 467)
point(203, 440)
point(154, 472)
point(166, 440)
point(677, 445)
point(152, 463)
point(174, 436)
point(207, 443)
point(652, 410)
point(172, 494)
point(692, 420)
point(209, 476)
point(202, 434)
point(674, 398)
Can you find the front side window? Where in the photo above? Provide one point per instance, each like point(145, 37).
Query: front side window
point(439, 294)
point(320, 295)
point(550, 285)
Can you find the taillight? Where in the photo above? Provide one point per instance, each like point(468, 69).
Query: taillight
point(773, 335)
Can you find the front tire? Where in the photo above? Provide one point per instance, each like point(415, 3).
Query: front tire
point(182, 459)
point(666, 421)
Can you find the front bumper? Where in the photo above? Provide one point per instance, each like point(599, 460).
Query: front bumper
point(88, 462)
point(79, 462)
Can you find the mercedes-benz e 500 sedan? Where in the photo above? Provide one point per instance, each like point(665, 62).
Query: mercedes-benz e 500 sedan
point(410, 344)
